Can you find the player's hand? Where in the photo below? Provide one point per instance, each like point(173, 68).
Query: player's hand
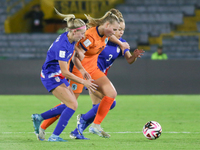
point(90, 85)
point(85, 75)
point(138, 53)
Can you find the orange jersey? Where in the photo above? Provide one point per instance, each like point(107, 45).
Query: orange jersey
point(93, 44)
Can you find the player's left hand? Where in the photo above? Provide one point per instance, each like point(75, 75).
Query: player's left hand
point(138, 53)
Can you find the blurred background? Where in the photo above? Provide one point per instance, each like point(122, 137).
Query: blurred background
point(28, 27)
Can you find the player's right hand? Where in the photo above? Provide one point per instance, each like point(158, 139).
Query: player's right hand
point(90, 85)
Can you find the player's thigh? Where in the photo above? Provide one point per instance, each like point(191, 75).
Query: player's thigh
point(66, 95)
point(106, 87)
point(96, 97)
point(76, 95)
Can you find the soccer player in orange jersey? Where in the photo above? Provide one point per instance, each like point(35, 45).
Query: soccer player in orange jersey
point(96, 37)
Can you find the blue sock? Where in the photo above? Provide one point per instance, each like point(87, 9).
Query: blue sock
point(63, 121)
point(113, 105)
point(91, 114)
point(53, 112)
point(91, 119)
point(76, 130)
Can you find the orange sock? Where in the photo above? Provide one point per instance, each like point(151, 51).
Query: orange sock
point(103, 109)
point(46, 123)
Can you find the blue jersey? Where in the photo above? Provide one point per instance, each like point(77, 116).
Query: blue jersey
point(109, 54)
point(60, 49)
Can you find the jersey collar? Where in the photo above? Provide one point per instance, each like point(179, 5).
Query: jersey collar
point(98, 32)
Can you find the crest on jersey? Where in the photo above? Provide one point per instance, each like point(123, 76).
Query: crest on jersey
point(87, 42)
point(106, 40)
point(74, 87)
point(57, 79)
point(118, 49)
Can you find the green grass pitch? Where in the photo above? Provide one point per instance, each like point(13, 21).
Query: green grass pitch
point(179, 116)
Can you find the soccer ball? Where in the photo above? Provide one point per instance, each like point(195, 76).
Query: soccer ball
point(152, 130)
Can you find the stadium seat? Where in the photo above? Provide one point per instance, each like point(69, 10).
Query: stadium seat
point(186, 9)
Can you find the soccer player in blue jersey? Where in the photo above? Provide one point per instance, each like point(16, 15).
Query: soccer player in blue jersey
point(105, 60)
point(54, 77)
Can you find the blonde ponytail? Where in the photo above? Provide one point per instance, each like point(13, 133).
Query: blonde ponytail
point(66, 17)
point(72, 22)
point(109, 16)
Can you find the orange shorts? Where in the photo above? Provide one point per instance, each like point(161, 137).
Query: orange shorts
point(77, 87)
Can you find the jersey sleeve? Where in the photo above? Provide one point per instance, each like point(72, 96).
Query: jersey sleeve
point(63, 54)
point(86, 43)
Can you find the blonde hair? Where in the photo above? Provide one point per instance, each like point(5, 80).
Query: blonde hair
point(109, 16)
point(116, 12)
point(72, 22)
point(121, 20)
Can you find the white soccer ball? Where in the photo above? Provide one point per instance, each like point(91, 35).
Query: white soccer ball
point(152, 130)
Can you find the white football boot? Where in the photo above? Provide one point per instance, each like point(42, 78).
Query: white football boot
point(96, 129)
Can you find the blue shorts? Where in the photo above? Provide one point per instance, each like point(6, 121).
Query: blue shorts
point(52, 83)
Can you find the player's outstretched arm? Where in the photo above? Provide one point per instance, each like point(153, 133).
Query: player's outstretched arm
point(133, 57)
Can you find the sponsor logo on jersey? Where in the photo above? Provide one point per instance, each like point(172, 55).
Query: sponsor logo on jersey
point(68, 57)
point(87, 42)
point(74, 87)
point(62, 54)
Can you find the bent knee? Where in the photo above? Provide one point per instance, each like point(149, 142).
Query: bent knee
point(111, 93)
point(73, 106)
